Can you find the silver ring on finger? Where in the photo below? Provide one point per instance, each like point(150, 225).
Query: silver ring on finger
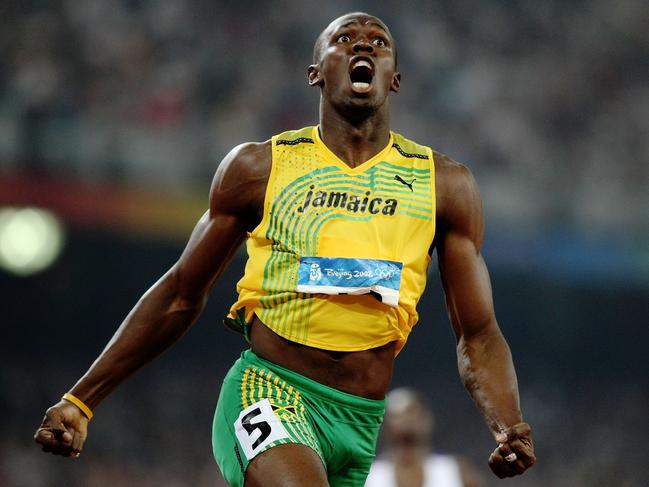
point(511, 457)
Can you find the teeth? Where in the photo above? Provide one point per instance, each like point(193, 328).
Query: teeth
point(360, 84)
point(362, 62)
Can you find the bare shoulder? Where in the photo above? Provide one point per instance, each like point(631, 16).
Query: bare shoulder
point(452, 179)
point(457, 194)
point(239, 185)
point(246, 163)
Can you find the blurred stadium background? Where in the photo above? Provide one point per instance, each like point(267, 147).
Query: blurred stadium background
point(115, 114)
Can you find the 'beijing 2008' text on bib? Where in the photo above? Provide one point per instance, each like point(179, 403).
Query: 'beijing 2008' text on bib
point(326, 275)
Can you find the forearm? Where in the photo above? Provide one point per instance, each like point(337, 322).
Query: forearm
point(484, 359)
point(156, 322)
point(487, 371)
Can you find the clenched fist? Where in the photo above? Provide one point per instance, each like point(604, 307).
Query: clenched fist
point(63, 431)
point(514, 453)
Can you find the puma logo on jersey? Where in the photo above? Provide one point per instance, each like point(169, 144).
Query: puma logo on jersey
point(409, 184)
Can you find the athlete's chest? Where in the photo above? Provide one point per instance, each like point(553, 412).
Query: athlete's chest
point(385, 190)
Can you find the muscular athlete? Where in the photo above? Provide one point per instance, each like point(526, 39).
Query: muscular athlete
point(355, 70)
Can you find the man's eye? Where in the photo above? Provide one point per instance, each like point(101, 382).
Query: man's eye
point(343, 38)
point(379, 42)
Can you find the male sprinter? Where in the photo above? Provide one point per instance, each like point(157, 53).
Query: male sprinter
point(342, 218)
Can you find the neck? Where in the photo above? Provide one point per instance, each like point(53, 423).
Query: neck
point(410, 474)
point(354, 139)
point(409, 458)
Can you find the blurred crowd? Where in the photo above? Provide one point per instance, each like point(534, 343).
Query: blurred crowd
point(546, 101)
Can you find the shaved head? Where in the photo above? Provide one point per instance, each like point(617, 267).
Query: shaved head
point(406, 412)
point(408, 427)
point(343, 20)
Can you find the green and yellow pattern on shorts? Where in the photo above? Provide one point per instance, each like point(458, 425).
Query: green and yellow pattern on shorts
point(262, 405)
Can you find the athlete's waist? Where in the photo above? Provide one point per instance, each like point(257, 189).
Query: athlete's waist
point(365, 373)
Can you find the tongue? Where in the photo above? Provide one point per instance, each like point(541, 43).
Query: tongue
point(361, 77)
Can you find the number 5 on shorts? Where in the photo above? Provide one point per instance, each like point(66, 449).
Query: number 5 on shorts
point(257, 427)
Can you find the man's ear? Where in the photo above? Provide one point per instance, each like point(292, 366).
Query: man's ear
point(313, 75)
point(396, 82)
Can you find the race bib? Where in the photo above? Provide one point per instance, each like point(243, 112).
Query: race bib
point(339, 275)
point(257, 426)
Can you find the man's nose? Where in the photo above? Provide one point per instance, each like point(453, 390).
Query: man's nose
point(362, 45)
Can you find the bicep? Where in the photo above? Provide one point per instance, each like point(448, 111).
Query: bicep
point(222, 228)
point(213, 242)
point(466, 285)
point(462, 268)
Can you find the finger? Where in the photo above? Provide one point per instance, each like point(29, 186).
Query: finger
point(43, 433)
point(64, 437)
point(50, 442)
point(505, 450)
point(43, 436)
point(46, 438)
point(53, 421)
point(515, 431)
point(56, 449)
point(77, 442)
point(515, 445)
point(516, 465)
point(516, 460)
point(499, 459)
point(511, 457)
point(515, 469)
point(523, 452)
point(520, 430)
point(507, 462)
point(499, 466)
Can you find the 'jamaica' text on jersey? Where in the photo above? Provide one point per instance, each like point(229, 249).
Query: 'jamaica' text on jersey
point(347, 201)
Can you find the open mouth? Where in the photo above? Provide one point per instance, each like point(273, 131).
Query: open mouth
point(361, 75)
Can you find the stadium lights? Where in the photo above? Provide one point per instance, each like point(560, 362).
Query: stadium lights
point(30, 240)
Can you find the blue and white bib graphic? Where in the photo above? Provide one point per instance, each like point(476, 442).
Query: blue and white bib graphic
point(339, 275)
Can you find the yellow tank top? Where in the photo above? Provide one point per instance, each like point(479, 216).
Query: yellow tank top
point(340, 258)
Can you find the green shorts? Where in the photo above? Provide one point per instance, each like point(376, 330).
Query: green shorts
point(262, 405)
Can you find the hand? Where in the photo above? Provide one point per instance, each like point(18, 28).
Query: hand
point(515, 451)
point(63, 431)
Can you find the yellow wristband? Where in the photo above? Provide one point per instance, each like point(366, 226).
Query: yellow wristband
point(78, 403)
